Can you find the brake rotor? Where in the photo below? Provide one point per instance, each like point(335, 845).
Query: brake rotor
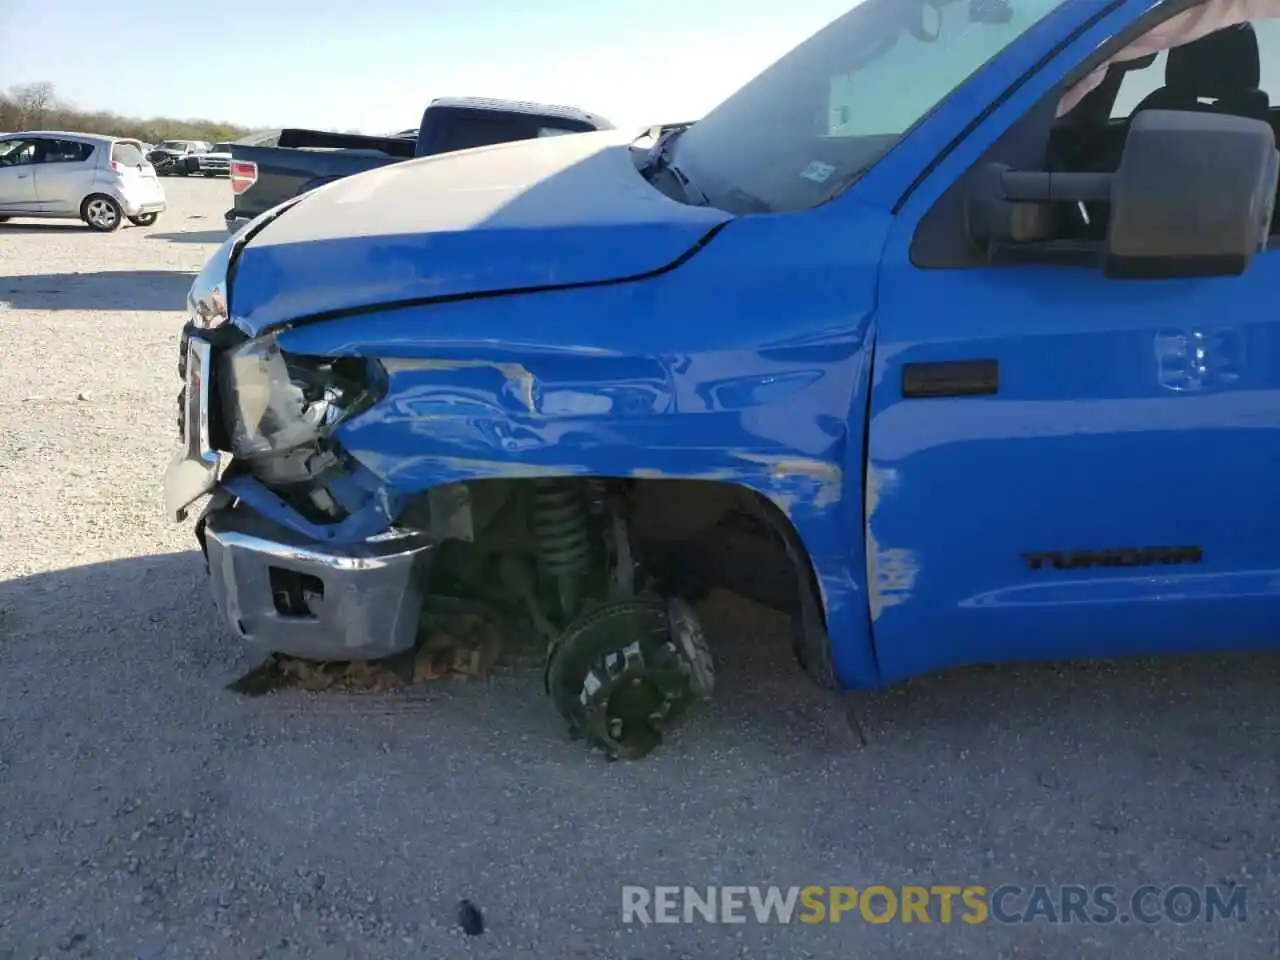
point(623, 671)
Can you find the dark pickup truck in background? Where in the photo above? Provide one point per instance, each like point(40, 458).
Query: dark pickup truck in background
point(301, 160)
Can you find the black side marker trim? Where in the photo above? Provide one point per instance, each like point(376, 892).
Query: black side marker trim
point(960, 378)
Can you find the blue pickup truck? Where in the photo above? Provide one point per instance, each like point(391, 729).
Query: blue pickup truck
point(947, 335)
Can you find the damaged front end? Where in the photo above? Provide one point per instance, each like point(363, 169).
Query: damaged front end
point(302, 553)
point(312, 556)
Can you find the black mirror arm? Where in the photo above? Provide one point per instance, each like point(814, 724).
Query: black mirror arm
point(1021, 206)
point(1038, 186)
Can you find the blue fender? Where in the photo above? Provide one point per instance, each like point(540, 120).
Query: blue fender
point(748, 365)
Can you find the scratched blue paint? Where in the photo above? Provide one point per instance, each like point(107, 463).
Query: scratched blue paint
point(650, 379)
point(751, 361)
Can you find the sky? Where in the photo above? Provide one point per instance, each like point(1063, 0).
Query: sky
point(372, 65)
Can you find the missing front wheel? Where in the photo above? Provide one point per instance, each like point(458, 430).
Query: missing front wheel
point(623, 672)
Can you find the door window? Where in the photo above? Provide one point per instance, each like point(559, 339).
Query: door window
point(66, 151)
point(1202, 59)
point(16, 153)
point(1232, 70)
point(1137, 85)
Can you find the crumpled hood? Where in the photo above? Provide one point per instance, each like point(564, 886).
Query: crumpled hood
point(534, 214)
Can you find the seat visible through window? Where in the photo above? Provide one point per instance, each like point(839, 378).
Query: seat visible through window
point(1224, 72)
point(1219, 73)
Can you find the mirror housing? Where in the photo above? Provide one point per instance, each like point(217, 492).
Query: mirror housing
point(1194, 195)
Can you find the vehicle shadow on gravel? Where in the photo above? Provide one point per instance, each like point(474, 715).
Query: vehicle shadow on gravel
point(192, 236)
point(101, 290)
point(44, 226)
point(1190, 705)
point(123, 751)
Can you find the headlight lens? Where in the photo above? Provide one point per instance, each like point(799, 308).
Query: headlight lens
point(273, 401)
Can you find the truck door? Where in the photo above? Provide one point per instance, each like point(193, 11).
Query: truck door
point(1063, 465)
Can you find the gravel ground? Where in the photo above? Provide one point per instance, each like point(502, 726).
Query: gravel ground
point(147, 812)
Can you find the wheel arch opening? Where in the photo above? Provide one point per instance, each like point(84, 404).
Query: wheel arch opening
point(689, 535)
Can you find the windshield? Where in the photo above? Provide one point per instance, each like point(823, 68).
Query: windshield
point(797, 134)
point(174, 145)
point(221, 148)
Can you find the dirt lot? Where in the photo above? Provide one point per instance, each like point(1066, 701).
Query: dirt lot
point(147, 812)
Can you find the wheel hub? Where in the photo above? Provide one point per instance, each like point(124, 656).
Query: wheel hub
point(625, 670)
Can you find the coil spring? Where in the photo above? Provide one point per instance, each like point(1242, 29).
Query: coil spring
point(596, 493)
point(560, 526)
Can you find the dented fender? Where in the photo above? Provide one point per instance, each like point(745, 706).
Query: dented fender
point(686, 376)
point(446, 422)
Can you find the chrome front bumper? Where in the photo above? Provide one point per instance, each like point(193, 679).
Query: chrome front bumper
point(281, 593)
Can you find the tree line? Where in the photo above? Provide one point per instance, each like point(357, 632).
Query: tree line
point(36, 106)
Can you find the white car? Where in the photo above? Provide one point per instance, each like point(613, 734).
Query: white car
point(215, 163)
point(100, 180)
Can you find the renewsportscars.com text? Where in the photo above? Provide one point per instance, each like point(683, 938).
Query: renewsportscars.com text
point(938, 903)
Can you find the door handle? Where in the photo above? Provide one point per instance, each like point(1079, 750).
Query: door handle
point(23, 176)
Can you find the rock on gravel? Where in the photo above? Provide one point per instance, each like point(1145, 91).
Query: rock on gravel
point(147, 812)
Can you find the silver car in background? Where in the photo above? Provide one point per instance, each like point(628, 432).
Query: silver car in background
point(177, 158)
point(215, 163)
point(100, 180)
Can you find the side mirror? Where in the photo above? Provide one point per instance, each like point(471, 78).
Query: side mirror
point(1194, 197)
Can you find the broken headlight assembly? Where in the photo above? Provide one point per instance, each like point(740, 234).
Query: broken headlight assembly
point(207, 298)
point(273, 401)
